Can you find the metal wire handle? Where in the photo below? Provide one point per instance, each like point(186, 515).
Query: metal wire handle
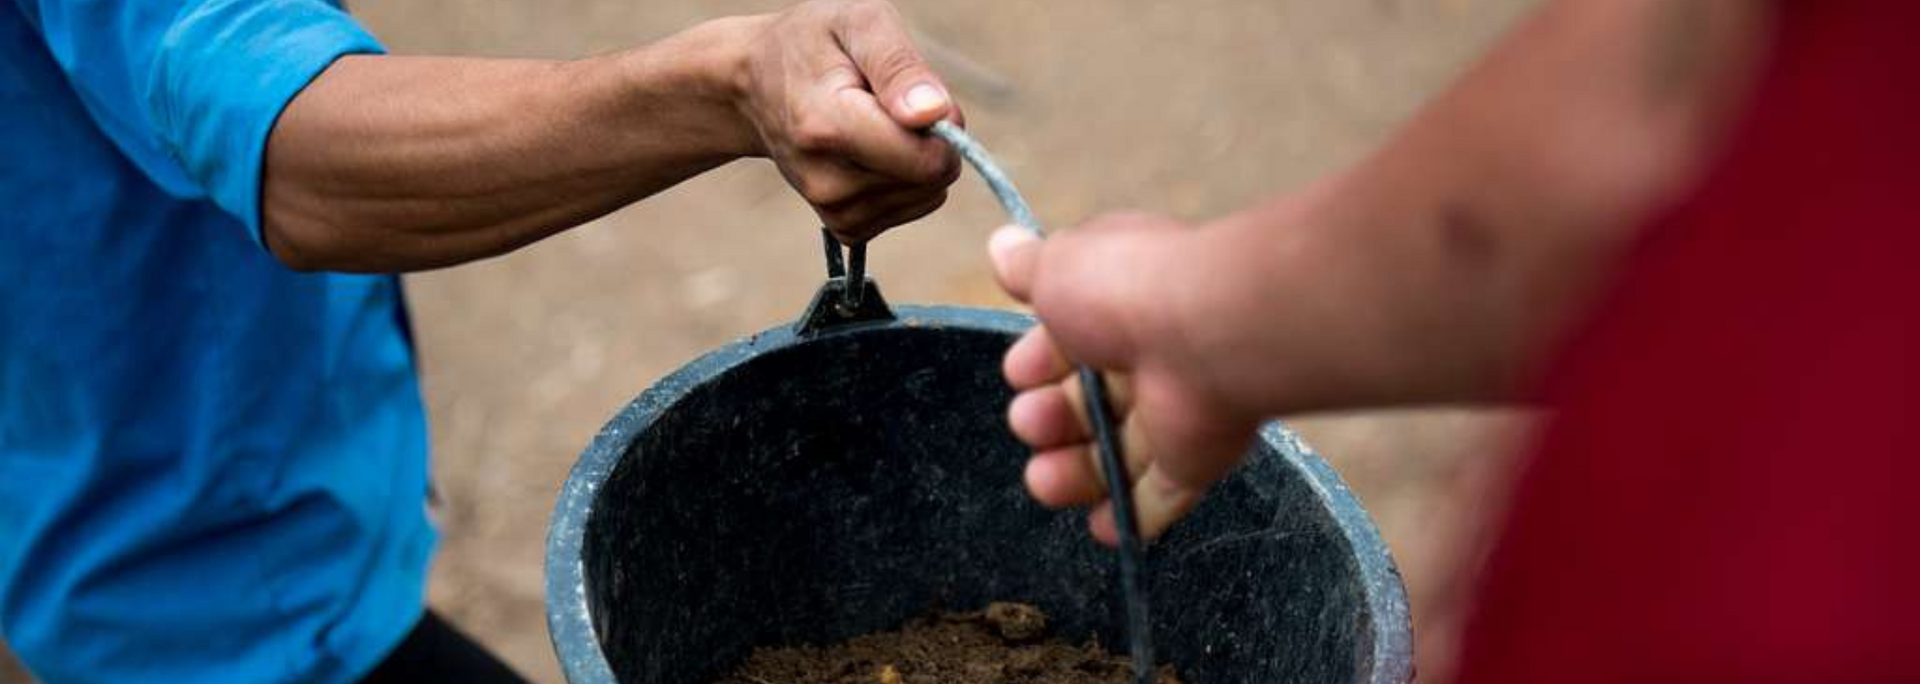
point(1099, 413)
point(852, 269)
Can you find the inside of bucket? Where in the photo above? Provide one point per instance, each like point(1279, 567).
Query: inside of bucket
point(844, 485)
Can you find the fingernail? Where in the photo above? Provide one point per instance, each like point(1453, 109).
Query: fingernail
point(1007, 239)
point(925, 99)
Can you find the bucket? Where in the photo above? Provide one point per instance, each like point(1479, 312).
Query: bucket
point(845, 474)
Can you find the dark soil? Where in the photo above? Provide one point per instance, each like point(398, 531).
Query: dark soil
point(1007, 643)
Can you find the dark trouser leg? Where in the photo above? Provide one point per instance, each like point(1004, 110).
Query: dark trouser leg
point(436, 652)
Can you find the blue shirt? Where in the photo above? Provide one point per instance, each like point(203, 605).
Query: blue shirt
point(211, 468)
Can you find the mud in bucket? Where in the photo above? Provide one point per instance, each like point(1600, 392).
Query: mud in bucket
point(852, 471)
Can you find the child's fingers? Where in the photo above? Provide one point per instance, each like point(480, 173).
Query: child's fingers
point(1119, 398)
point(1070, 473)
point(1133, 443)
point(1211, 442)
point(1157, 504)
point(1064, 477)
point(1044, 418)
point(1014, 251)
point(1160, 501)
point(1100, 523)
point(1034, 360)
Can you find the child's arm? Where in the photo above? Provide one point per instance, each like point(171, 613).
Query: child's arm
point(1436, 270)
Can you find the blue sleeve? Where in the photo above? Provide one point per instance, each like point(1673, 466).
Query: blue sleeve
point(190, 89)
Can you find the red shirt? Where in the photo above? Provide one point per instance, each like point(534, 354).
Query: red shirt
point(1730, 491)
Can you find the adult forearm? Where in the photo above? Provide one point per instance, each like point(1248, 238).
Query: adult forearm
point(388, 163)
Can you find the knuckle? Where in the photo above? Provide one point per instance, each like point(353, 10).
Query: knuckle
point(932, 203)
point(928, 165)
point(816, 134)
point(919, 209)
point(946, 170)
point(840, 221)
point(819, 189)
point(857, 226)
point(937, 200)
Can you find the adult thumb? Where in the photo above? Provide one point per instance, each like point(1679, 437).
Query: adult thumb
point(877, 40)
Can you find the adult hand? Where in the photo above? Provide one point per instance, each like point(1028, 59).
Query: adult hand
point(1109, 294)
point(837, 92)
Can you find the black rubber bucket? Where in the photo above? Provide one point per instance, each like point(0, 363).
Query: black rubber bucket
point(839, 477)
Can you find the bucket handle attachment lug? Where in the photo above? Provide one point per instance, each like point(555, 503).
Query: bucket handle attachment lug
point(848, 296)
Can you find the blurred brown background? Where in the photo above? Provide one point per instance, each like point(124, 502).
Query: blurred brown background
point(1188, 108)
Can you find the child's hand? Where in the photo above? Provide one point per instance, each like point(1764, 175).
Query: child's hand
point(1118, 293)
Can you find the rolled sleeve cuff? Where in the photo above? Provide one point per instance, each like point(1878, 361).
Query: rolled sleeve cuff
point(224, 72)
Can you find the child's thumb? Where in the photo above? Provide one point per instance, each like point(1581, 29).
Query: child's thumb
point(1015, 251)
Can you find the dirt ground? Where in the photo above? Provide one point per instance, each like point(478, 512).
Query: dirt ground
point(1187, 108)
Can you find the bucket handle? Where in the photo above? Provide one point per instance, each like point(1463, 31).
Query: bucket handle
point(1132, 553)
point(852, 269)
